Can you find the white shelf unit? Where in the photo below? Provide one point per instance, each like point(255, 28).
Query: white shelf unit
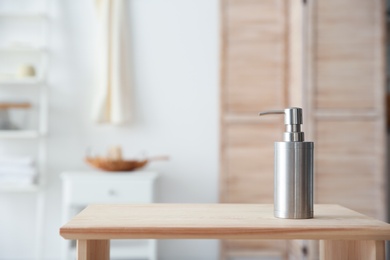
point(42, 62)
point(37, 83)
point(19, 46)
point(80, 189)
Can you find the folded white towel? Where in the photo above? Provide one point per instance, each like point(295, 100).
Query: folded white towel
point(20, 181)
point(18, 171)
point(16, 160)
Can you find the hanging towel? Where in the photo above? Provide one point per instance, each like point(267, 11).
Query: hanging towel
point(113, 99)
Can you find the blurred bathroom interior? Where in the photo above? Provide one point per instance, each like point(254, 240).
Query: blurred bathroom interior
point(175, 87)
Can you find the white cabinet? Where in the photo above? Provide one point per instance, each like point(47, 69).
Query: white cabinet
point(80, 189)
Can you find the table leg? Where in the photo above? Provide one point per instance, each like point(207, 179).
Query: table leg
point(352, 250)
point(93, 249)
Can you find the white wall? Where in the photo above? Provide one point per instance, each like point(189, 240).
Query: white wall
point(175, 45)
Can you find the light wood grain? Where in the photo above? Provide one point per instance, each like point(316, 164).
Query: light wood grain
point(246, 146)
point(346, 103)
point(254, 75)
point(352, 250)
point(219, 221)
point(255, 248)
point(11, 105)
point(296, 53)
point(93, 249)
point(339, 82)
point(346, 155)
point(348, 37)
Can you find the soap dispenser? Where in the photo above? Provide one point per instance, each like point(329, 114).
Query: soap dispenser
point(293, 180)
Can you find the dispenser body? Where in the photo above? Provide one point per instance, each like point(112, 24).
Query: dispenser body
point(293, 182)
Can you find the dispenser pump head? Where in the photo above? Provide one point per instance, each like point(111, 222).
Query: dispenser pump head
point(292, 120)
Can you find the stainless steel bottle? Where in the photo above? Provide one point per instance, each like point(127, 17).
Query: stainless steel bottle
point(293, 180)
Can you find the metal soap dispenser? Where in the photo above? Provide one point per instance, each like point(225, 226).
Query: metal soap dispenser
point(293, 180)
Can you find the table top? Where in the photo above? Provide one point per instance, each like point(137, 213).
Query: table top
point(219, 221)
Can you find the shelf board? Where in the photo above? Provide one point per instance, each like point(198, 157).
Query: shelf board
point(15, 134)
point(18, 188)
point(30, 16)
point(13, 105)
point(22, 50)
point(22, 82)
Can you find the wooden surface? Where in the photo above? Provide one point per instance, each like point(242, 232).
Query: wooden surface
point(352, 250)
point(254, 77)
point(346, 102)
point(93, 249)
point(348, 64)
point(219, 221)
point(336, 73)
point(254, 55)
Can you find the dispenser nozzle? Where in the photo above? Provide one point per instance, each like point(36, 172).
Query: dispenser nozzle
point(271, 112)
point(292, 120)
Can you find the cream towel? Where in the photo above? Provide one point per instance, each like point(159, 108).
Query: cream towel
point(113, 93)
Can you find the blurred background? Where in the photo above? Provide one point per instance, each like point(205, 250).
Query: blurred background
point(121, 80)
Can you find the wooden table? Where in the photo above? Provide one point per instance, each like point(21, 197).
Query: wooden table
point(344, 234)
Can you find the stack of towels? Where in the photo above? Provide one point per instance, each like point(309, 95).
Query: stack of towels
point(19, 171)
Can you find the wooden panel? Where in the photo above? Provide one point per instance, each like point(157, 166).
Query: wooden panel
point(215, 221)
point(249, 162)
point(296, 52)
point(303, 249)
point(250, 174)
point(254, 248)
point(255, 61)
point(254, 55)
point(347, 165)
point(352, 250)
point(347, 62)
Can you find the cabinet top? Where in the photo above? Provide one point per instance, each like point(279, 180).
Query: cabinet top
point(77, 175)
point(219, 221)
